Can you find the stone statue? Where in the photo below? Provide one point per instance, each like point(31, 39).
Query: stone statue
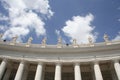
point(44, 41)
point(14, 39)
point(74, 42)
point(75, 45)
point(30, 40)
point(106, 38)
point(59, 44)
point(90, 40)
point(59, 40)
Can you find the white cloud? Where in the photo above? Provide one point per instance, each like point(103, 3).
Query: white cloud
point(16, 31)
point(80, 28)
point(30, 21)
point(3, 28)
point(23, 16)
point(41, 6)
point(117, 37)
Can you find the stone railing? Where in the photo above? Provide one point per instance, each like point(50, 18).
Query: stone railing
point(63, 45)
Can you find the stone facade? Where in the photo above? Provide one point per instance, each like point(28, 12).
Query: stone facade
point(99, 62)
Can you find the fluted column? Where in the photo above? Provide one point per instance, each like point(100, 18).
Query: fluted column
point(2, 67)
point(20, 71)
point(117, 68)
point(38, 75)
point(58, 72)
point(98, 74)
point(77, 71)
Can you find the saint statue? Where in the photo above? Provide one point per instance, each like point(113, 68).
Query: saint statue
point(74, 42)
point(44, 41)
point(90, 40)
point(14, 39)
point(30, 40)
point(106, 38)
point(59, 40)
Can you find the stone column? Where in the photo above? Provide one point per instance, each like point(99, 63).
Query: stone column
point(7, 74)
point(25, 74)
point(38, 75)
point(117, 68)
point(2, 68)
point(20, 71)
point(58, 72)
point(98, 74)
point(77, 71)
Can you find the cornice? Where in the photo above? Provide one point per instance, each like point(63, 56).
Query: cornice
point(99, 47)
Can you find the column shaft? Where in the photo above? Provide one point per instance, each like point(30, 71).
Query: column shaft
point(117, 68)
point(38, 75)
point(2, 68)
point(20, 71)
point(98, 74)
point(77, 72)
point(7, 74)
point(26, 70)
point(58, 72)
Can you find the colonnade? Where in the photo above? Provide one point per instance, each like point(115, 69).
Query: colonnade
point(58, 70)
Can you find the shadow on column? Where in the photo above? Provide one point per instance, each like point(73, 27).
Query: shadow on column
point(48, 72)
point(86, 72)
point(14, 70)
point(31, 71)
point(108, 72)
point(67, 72)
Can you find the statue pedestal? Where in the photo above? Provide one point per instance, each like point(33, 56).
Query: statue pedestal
point(75, 46)
point(108, 43)
point(43, 45)
point(59, 46)
point(91, 45)
point(12, 43)
point(27, 45)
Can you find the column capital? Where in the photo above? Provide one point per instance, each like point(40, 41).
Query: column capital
point(58, 63)
point(23, 61)
point(77, 63)
point(40, 63)
point(5, 59)
point(96, 62)
point(116, 61)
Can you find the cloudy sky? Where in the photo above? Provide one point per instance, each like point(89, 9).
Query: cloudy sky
point(70, 19)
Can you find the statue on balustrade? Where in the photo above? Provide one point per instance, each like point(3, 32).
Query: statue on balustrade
point(14, 39)
point(106, 38)
point(44, 42)
point(30, 40)
point(59, 44)
point(59, 40)
point(75, 43)
point(90, 40)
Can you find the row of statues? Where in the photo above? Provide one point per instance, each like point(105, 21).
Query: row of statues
point(43, 43)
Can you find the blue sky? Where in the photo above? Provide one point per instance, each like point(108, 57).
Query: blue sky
point(70, 19)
